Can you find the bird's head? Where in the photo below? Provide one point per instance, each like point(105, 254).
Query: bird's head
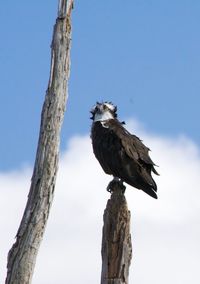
point(103, 111)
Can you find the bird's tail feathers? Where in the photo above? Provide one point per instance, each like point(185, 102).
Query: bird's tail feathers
point(150, 192)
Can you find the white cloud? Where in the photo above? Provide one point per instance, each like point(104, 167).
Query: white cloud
point(165, 232)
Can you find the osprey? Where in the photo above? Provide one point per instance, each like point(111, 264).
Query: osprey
point(119, 152)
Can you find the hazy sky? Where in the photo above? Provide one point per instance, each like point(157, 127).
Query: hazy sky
point(144, 56)
point(165, 232)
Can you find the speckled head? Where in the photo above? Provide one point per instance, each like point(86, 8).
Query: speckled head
point(103, 111)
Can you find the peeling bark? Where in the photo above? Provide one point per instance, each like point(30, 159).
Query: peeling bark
point(116, 241)
point(22, 256)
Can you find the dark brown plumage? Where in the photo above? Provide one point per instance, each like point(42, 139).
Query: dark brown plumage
point(120, 153)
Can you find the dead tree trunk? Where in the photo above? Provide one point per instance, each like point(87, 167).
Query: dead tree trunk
point(116, 241)
point(22, 256)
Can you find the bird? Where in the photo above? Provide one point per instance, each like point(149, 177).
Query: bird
point(120, 153)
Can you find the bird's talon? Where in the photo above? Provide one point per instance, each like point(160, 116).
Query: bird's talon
point(113, 184)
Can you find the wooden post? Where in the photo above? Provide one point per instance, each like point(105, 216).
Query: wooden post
point(22, 256)
point(116, 240)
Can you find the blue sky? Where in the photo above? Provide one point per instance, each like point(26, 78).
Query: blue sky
point(142, 55)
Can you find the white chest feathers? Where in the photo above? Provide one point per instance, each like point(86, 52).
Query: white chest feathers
point(103, 123)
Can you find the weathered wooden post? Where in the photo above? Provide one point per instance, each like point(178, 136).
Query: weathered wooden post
point(116, 240)
point(22, 256)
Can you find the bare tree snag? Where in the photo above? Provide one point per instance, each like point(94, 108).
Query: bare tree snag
point(116, 241)
point(22, 256)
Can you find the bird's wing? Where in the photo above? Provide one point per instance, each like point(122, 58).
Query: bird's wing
point(133, 146)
